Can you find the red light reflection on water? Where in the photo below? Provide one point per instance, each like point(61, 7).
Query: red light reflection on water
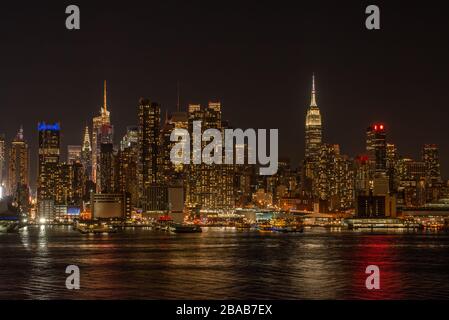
point(381, 251)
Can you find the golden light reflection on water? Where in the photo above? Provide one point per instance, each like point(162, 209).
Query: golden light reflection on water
point(222, 264)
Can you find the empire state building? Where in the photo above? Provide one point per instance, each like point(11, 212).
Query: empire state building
point(313, 128)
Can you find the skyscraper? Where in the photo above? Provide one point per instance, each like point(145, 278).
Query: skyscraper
point(362, 176)
point(128, 155)
point(169, 171)
point(327, 168)
point(335, 178)
point(313, 128)
point(64, 184)
point(178, 120)
point(149, 162)
point(210, 187)
point(86, 155)
point(48, 169)
point(19, 164)
point(73, 154)
point(106, 168)
point(376, 146)
point(430, 156)
point(313, 143)
point(2, 163)
point(391, 163)
point(101, 124)
point(131, 138)
point(78, 183)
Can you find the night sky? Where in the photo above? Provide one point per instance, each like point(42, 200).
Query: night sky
point(257, 58)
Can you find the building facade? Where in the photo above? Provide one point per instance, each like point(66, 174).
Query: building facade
point(209, 187)
point(100, 130)
point(149, 143)
point(48, 187)
point(431, 159)
point(18, 171)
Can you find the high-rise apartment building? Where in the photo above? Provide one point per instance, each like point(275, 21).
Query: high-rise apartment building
point(209, 187)
point(18, 167)
point(335, 178)
point(48, 184)
point(127, 164)
point(107, 164)
point(127, 158)
point(362, 176)
point(2, 164)
point(391, 165)
point(150, 153)
point(430, 157)
point(49, 152)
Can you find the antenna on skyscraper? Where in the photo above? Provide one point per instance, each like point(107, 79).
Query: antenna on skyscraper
point(313, 98)
point(177, 92)
point(104, 97)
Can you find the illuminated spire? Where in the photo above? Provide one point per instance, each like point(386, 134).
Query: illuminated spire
point(313, 100)
point(86, 142)
point(104, 99)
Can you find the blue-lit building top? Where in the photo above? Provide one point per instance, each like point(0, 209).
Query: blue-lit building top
point(42, 126)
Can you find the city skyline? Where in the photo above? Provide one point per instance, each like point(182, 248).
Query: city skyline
point(209, 150)
point(314, 96)
point(358, 82)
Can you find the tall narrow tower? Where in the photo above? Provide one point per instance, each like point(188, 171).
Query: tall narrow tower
point(86, 140)
point(105, 108)
point(313, 128)
point(101, 123)
point(86, 154)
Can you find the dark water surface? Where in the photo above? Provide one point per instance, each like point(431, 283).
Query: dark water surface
point(223, 264)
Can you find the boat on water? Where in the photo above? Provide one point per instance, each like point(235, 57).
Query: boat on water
point(380, 223)
point(288, 229)
point(265, 227)
point(97, 230)
point(94, 228)
point(185, 228)
point(243, 225)
point(280, 225)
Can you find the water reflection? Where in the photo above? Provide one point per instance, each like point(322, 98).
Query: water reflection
point(223, 264)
